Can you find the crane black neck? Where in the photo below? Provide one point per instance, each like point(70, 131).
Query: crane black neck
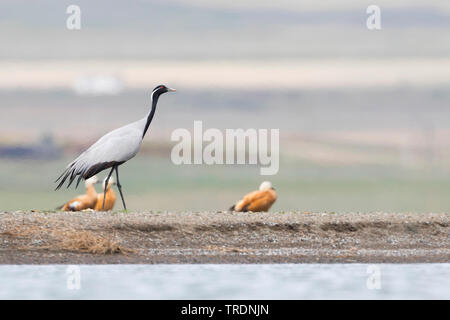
point(155, 97)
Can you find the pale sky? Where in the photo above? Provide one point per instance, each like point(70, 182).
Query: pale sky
point(314, 5)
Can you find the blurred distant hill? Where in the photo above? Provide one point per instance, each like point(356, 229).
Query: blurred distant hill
point(222, 29)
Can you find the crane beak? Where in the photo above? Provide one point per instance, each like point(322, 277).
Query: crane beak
point(171, 90)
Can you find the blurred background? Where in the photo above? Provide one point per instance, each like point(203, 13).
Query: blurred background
point(364, 115)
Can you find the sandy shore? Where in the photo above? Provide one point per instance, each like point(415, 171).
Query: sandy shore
point(221, 237)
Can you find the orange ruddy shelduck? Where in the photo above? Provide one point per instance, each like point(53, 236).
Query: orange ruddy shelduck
point(110, 199)
point(85, 201)
point(256, 201)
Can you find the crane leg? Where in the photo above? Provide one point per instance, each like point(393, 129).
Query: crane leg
point(120, 188)
point(106, 187)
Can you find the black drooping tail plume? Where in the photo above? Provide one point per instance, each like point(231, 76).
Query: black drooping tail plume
point(70, 171)
point(85, 173)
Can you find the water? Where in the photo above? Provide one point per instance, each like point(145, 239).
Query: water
point(274, 281)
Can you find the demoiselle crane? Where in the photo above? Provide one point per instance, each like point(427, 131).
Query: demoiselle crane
point(257, 201)
point(112, 150)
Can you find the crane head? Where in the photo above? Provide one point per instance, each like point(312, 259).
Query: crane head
point(161, 89)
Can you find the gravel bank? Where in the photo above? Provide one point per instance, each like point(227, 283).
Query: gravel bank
point(222, 237)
